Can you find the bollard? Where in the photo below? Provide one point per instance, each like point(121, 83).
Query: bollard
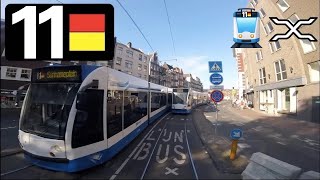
point(233, 152)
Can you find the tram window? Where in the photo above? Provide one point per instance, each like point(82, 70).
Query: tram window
point(134, 107)
point(114, 112)
point(163, 100)
point(170, 98)
point(88, 125)
point(155, 101)
point(143, 104)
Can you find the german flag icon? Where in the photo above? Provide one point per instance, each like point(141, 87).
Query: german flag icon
point(87, 32)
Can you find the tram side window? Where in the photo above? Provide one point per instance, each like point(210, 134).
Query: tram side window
point(170, 98)
point(114, 112)
point(155, 101)
point(135, 107)
point(88, 124)
point(163, 100)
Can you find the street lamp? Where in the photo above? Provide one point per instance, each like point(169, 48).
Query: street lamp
point(149, 92)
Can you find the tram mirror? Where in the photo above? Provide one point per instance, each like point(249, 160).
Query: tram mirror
point(82, 100)
point(18, 93)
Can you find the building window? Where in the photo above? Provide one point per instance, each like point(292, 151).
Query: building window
point(280, 69)
point(274, 46)
point(144, 58)
point(145, 68)
point(271, 47)
point(11, 72)
point(128, 64)
point(307, 46)
point(262, 76)
point(25, 73)
point(255, 2)
point(259, 55)
point(129, 53)
point(140, 57)
point(277, 45)
point(118, 61)
point(120, 49)
point(293, 18)
point(262, 13)
point(139, 67)
point(314, 69)
point(263, 27)
point(270, 27)
point(283, 5)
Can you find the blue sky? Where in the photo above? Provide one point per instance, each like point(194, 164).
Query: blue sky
point(202, 31)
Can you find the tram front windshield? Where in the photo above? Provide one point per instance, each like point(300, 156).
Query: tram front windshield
point(47, 109)
point(246, 24)
point(179, 98)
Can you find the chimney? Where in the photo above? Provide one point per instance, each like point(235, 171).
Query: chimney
point(129, 44)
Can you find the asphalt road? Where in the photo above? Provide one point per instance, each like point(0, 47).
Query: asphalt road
point(171, 148)
point(168, 149)
point(9, 129)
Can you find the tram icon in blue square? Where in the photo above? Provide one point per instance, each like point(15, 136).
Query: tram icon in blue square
point(246, 28)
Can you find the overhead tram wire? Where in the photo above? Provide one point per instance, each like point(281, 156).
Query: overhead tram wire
point(136, 25)
point(174, 48)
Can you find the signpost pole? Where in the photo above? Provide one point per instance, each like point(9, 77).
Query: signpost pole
point(233, 152)
point(216, 112)
point(235, 135)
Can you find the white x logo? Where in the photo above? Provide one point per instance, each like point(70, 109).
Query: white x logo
point(173, 171)
point(293, 29)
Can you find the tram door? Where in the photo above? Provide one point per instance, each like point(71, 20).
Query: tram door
point(88, 125)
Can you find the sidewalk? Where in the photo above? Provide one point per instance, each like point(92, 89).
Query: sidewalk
point(282, 123)
point(218, 147)
point(292, 141)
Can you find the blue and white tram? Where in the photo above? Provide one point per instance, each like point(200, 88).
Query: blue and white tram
point(246, 26)
point(185, 99)
point(76, 117)
point(181, 101)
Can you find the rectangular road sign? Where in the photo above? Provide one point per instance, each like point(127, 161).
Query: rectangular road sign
point(215, 66)
point(217, 87)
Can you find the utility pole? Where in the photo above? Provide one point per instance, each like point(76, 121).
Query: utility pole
point(149, 92)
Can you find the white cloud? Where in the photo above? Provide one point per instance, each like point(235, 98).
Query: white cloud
point(197, 66)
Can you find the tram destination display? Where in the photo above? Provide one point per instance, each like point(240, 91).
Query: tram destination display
point(57, 74)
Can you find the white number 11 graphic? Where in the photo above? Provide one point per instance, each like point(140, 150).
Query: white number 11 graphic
point(29, 15)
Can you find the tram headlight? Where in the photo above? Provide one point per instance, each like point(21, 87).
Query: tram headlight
point(252, 35)
point(240, 35)
point(54, 150)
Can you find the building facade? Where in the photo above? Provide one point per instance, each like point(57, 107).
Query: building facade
point(130, 60)
point(173, 76)
point(283, 76)
point(239, 55)
point(194, 83)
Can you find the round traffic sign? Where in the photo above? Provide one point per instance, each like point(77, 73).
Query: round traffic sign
point(216, 79)
point(236, 134)
point(216, 96)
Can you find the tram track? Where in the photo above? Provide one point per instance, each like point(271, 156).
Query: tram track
point(118, 171)
point(174, 117)
point(190, 154)
point(154, 147)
